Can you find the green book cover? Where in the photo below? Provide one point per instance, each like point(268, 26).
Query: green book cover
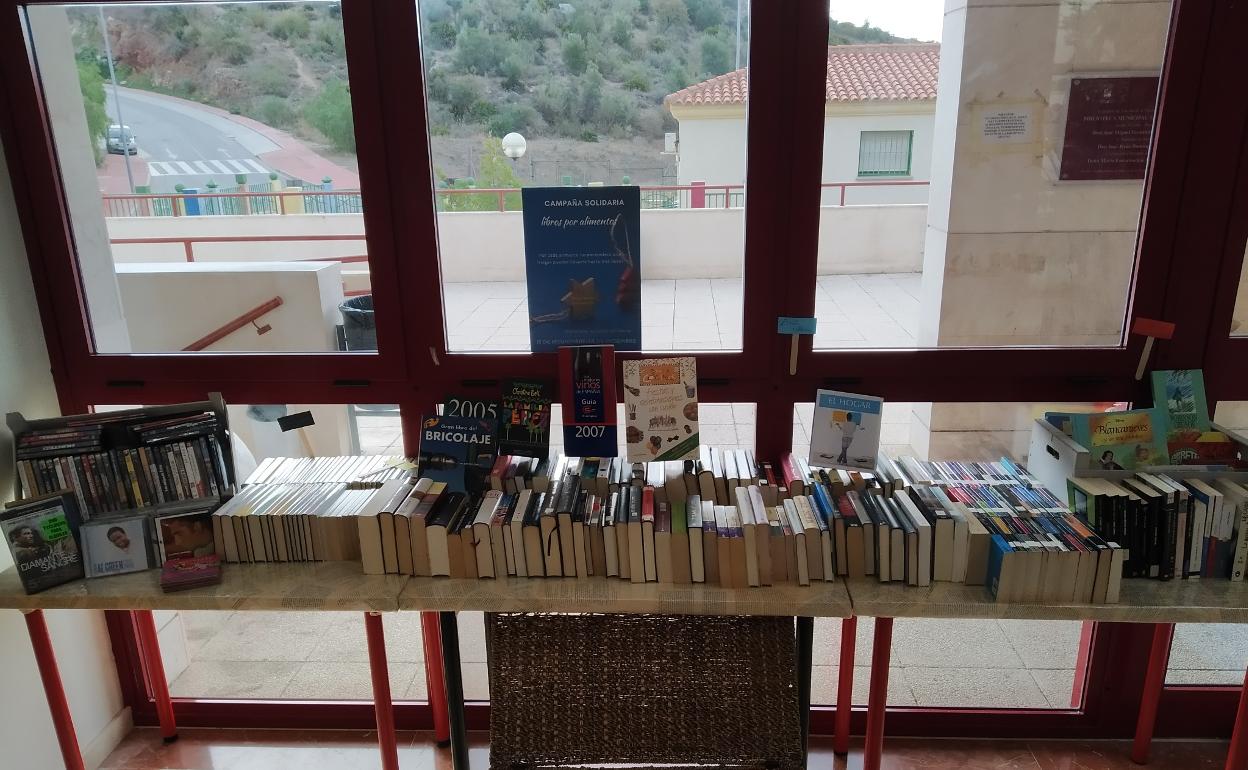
point(680, 521)
point(1179, 398)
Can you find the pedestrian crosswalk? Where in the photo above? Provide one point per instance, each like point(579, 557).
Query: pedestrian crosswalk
point(223, 168)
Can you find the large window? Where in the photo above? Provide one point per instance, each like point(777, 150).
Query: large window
point(1000, 270)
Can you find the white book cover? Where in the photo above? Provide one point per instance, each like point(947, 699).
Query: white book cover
point(846, 430)
point(661, 405)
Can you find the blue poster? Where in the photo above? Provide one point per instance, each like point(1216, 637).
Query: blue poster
point(583, 266)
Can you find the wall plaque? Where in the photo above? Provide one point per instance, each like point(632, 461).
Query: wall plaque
point(1109, 126)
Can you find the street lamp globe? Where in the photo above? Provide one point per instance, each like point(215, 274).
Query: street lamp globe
point(514, 146)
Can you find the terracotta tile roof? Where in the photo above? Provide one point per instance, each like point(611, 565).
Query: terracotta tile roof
point(856, 73)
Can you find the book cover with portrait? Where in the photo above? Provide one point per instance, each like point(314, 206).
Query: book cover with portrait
point(846, 430)
point(583, 266)
point(116, 546)
point(42, 534)
point(661, 409)
point(184, 535)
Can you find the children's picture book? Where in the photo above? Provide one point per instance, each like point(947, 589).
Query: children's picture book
point(524, 427)
point(1121, 440)
point(846, 430)
point(184, 535)
point(190, 572)
point(116, 546)
point(661, 408)
point(583, 265)
point(42, 533)
point(1179, 400)
point(458, 451)
point(587, 382)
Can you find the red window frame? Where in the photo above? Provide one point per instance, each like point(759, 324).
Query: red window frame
point(1189, 199)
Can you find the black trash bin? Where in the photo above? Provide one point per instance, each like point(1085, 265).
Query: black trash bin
point(359, 325)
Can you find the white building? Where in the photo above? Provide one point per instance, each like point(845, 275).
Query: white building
point(878, 117)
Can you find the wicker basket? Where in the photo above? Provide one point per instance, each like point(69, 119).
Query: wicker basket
point(642, 689)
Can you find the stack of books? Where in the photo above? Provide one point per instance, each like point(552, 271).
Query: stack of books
point(730, 520)
point(1174, 524)
point(294, 509)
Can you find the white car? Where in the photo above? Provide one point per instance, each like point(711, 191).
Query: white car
point(121, 140)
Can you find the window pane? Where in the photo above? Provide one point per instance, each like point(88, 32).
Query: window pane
point(207, 153)
point(645, 94)
point(982, 172)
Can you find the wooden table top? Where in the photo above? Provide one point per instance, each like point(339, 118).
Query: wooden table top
point(341, 586)
point(1142, 601)
point(331, 585)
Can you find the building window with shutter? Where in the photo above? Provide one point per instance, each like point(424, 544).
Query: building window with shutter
point(884, 153)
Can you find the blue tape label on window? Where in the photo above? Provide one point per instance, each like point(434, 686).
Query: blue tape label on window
point(793, 325)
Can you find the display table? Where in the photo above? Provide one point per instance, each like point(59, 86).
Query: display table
point(1159, 603)
point(340, 586)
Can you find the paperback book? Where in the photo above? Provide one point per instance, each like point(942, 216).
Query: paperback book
point(846, 430)
point(661, 408)
point(1179, 397)
point(587, 381)
point(42, 534)
point(583, 266)
point(525, 425)
point(116, 546)
point(458, 451)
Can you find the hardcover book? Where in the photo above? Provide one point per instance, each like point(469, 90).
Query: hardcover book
point(458, 451)
point(846, 430)
point(117, 546)
point(42, 534)
point(524, 425)
point(661, 407)
point(1121, 440)
point(583, 265)
point(587, 382)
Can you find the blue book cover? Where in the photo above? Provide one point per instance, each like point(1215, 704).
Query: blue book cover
point(457, 450)
point(583, 265)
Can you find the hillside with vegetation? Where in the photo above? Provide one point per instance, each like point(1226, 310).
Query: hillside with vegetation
point(575, 73)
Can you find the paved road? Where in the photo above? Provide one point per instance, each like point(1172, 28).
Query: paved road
point(189, 146)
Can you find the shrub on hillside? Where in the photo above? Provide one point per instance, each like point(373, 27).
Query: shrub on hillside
point(514, 117)
point(575, 55)
point(330, 113)
point(290, 24)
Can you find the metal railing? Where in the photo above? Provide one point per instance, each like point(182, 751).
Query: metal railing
point(315, 201)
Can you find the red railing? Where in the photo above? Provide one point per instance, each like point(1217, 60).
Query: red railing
point(234, 325)
point(686, 196)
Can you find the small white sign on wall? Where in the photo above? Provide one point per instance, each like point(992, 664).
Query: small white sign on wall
point(1006, 126)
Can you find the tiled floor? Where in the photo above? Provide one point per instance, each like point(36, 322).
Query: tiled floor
point(347, 750)
point(854, 311)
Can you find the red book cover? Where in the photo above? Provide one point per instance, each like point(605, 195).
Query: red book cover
point(647, 504)
point(190, 572)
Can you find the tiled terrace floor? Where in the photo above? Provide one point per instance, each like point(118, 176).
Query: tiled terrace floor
point(936, 663)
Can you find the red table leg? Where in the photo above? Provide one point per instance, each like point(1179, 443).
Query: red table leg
point(1237, 754)
point(1154, 680)
point(877, 698)
point(381, 691)
point(154, 667)
point(845, 685)
point(45, 658)
point(435, 681)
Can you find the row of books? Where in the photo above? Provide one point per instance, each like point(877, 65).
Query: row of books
point(988, 524)
point(1173, 525)
point(358, 471)
point(292, 522)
